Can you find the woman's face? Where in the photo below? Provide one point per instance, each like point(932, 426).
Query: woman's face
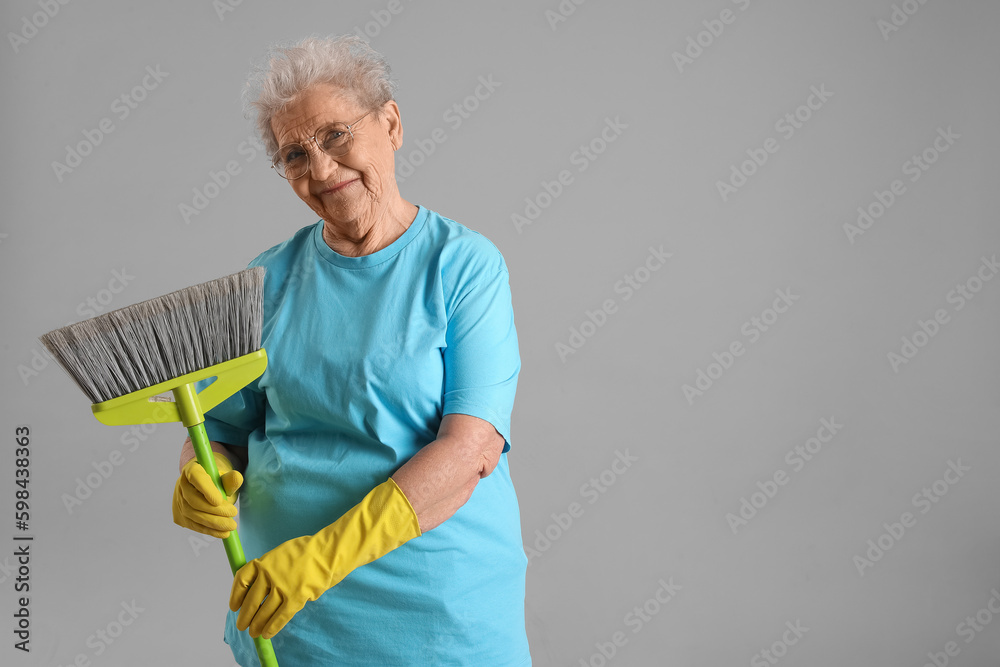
point(355, 190)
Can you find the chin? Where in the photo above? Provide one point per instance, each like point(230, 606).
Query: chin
point(347, 212)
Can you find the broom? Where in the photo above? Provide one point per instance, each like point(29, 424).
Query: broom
point(124, 359)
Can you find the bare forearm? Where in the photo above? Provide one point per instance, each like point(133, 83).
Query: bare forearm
point(187, 453)
point(437, 482)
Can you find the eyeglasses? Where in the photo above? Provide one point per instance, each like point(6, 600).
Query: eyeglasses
point(292, 160)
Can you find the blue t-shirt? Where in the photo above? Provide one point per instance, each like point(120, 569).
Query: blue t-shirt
point(365, 356)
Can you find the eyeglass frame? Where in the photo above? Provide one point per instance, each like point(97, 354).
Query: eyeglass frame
point(350, 131)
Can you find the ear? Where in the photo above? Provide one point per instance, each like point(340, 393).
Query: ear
point(390, 112)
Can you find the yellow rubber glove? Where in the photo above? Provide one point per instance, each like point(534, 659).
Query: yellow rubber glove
point(199, 506)
point(302, 569)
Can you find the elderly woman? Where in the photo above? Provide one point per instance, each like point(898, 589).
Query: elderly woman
point(378, 507)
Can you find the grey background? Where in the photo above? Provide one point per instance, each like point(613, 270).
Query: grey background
point(665, 516)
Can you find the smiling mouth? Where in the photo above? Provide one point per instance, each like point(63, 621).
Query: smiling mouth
point(338, 186)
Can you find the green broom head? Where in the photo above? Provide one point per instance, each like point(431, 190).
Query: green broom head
point(154, 341)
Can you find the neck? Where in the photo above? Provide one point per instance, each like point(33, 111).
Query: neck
point(358, 238)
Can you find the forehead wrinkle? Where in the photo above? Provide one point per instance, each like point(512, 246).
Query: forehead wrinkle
point(295, 132)
point(293, 126)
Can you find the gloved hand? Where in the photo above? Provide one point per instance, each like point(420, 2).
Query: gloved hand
point(302, 569)
point(198, 505)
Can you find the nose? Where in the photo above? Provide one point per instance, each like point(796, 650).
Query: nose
point(321, 165)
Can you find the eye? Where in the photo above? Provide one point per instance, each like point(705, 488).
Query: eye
point(333, 137)
point(292, 154)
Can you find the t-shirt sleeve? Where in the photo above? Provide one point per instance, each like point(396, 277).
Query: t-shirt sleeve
point(481, 360)
point(232, 421)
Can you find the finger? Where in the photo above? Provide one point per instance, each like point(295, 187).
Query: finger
point(280, 618)
point(196, 501)
point(208, 531)
point(232, 481)
point(214, 524)
point(221, 529)
point(244, 577)
point(209, 520)
point(263, 617)
point(199, 479)
point(198, 528)
point(252, 602)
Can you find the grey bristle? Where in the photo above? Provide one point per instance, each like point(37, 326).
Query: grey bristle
point(153, 341)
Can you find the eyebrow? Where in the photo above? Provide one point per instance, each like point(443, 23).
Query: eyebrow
point(310, 135)
point(318, 128)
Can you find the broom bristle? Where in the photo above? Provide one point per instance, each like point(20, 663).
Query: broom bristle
point(153, 341)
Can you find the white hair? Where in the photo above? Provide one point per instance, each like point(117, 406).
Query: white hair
point(346, 61)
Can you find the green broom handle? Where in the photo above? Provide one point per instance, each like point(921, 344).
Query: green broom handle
point(234, 550)
point(203, 452)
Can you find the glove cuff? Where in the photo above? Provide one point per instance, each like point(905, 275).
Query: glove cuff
point(381, 522)
point(398, 507)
